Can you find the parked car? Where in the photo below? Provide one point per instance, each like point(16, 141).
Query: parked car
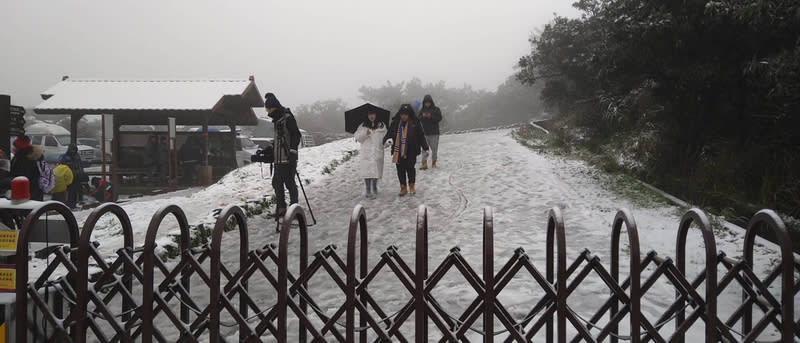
point(98, 152)
point(244, 149)
point(54, 141)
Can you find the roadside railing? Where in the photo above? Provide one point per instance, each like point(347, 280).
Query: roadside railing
point(138, 296)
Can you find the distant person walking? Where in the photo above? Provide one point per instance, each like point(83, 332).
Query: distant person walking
point(26, 162)
point(73, 160)
point(287, 140)
point(370, 134)
point(407, 139)
point(430, 116)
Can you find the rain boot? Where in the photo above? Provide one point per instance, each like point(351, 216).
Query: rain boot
point(403, 190)
point(411, 188)
point(424, 165)
point(433, 165)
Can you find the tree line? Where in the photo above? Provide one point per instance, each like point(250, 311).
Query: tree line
point(462, 107)
point(707, 92)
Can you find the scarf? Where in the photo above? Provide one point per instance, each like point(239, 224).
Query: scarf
point(400, 142)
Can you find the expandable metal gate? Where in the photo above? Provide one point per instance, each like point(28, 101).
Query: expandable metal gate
point(88, 310)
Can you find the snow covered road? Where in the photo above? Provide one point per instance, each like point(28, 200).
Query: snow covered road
point(492, 169)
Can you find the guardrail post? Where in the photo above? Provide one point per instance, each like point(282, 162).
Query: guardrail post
point(216, 275)
point(698, 217)
point(421, 274)
point(295, 212)
point(488, 274)
point(624, 217)
point(556, 240)
point(148, 266)
point(768, 219)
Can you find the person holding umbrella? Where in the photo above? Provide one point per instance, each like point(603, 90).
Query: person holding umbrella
point(407, 139)
point(370, 134)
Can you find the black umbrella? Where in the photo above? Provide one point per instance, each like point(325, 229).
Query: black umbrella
point(355, 117)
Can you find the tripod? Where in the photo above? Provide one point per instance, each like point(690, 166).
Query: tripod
point(302, 188)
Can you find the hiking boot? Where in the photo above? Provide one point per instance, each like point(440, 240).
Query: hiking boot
point(433, 165)
point(411, 188)
point(403, 190)
point(424, 165)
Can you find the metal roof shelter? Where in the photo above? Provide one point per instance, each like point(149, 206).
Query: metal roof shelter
point(155, 102)
point(148, 102)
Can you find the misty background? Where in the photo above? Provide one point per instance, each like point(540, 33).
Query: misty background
point(317, 56)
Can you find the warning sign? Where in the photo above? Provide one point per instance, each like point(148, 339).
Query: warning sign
point(8, 278)
point(8, 240)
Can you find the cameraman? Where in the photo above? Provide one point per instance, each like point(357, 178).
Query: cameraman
point(287, 139)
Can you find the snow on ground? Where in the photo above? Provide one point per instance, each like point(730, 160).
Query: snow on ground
point(476, 170)
point(491, 169)
point(246, 183)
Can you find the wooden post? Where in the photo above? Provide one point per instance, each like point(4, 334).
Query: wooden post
point(205, 142)
point(233, 147)
point(5, 118)
point(115, 159)
point(73, 128)
point(103, 147)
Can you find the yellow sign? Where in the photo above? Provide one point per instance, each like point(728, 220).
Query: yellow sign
point(7, 278)
point(8, 240)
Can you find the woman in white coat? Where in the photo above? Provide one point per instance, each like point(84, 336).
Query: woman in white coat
point(370, 135)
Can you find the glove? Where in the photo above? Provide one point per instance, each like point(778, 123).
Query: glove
point(293, 151)
point(388, 143)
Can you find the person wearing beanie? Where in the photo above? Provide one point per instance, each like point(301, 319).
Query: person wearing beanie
point(430, 116)
point(26, 163)
point(73, 160)
point(407, 139)
point(287, 140)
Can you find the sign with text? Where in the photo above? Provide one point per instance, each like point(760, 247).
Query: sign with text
point(8, 240)
point(8, 278)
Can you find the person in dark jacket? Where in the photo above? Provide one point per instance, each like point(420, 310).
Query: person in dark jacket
point(287, 140)
point(150, 158)
point(190, 155)
point(25, 163)
point(407, 139)
point(430, 116)
point(73, 160)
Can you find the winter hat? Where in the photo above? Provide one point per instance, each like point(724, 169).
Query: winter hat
point(270, 101)
point(407, 109)
point(22, 143)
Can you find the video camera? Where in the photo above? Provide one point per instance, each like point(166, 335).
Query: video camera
point(263, 155)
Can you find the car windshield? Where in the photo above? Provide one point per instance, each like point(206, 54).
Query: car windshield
point(247, 143)
point(63, 140)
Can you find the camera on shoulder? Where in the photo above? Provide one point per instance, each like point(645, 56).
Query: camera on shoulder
point(263, 156)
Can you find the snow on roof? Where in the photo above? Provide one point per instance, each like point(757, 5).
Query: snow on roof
point(140, 94)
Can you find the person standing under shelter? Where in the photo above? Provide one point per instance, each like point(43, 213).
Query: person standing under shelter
point(73, 160)
point(190, 156)
point(370, 134)
point(430, 116)
point(287, 140)
point(151, 160)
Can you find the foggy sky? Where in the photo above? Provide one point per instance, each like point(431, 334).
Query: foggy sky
point(302, 50)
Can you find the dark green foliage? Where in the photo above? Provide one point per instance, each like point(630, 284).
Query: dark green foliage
point(714, 85)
